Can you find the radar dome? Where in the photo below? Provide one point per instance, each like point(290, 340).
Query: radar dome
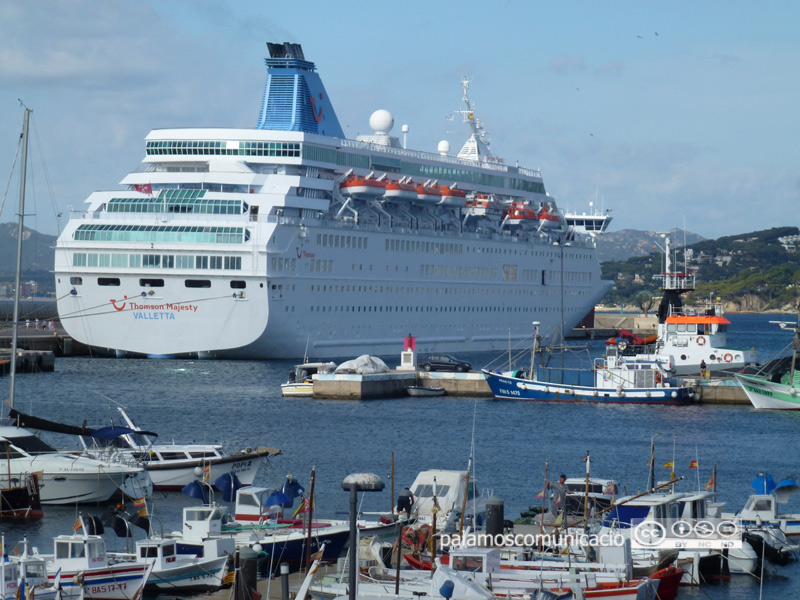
point(381, 121)
point(444, 147)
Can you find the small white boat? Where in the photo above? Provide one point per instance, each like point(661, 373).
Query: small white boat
point(301, 383)
point(180, 573)
point(419, 390)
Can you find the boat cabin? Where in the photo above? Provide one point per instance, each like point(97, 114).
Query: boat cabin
point(475, 560)
point(601, 492)
point(201, 522)
point(760, 507)
point(78, 552)
point(251, 505)
point(662, 508)
point(162, 553)
point(10, 575)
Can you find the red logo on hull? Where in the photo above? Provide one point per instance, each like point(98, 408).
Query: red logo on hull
point(317, 117)
point(114, 304)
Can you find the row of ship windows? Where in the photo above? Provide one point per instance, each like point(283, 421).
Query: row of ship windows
point(160, 205)
point(150, 282)
point(161, 233)
point(222, 148)
point(426, 247)
point(334, 240)
point(461, 309)
point(470, 291)
point(156, 261)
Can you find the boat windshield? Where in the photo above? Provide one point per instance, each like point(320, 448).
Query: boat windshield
point(31, 444)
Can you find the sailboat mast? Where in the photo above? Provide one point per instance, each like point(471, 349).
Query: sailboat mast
point(23, 175)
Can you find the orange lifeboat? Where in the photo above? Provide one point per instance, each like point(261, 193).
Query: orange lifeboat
point(356, 185)
point(429, 194)
point(451, 196)
point(400, 190)
point(481, 205)
point(546, 215)
point(521, 211)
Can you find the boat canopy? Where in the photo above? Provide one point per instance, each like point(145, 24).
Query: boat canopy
point(104, 433)
point(698, 319)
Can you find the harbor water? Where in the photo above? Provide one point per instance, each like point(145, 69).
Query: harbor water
point(239, 403)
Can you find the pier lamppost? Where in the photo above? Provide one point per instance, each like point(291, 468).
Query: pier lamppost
point(354, 483)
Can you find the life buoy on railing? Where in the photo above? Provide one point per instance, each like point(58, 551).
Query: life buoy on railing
point(659, 378)
point(701, 340)
point(728, 357)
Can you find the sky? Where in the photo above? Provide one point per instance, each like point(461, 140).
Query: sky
point(667, 113)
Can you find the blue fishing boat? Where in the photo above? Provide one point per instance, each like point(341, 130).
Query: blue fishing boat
point(638, 379)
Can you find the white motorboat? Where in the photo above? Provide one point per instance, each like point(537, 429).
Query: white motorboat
point(65, 478)
point(761, 508)
point(301, 379)
point(169, 466)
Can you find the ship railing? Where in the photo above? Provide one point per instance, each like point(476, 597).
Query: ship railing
point(453, 160)
point(678, 280)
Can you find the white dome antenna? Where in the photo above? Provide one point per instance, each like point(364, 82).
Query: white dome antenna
point(381, 122)
point(443, 148)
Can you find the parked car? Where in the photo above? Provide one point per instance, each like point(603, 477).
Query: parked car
point(444, 362)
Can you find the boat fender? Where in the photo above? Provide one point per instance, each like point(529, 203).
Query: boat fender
point(674, 394)
point(620, 391)
point(728, 357)
point(701, 340)
point(793, 392)
point(446, 591)
point(647, 393)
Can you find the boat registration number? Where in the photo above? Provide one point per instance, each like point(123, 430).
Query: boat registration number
point(242, 464)
point(103, 589)
point(509, 392)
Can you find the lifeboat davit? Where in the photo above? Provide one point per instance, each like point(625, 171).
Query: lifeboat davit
point(452, 196)
point(356, 185)
point(428, 194)
point(400, 190)
point(481, 205)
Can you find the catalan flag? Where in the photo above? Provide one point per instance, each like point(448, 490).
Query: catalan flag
point(140, 505)
point(206, 472)
point(710, 484)
point(693, 464)
point(669, 465)
point(609, 488)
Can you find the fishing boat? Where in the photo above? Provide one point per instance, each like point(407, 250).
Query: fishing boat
point(419, 390)
point(80, 560)
point(692, 335)
point(775, 385)
point(615, 378)
point(761, 508)
point(264, 237)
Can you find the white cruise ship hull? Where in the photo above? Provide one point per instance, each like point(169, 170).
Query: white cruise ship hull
point(234, 243)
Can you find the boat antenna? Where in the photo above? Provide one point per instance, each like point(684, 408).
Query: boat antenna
point(533, 352)
point(305, 354)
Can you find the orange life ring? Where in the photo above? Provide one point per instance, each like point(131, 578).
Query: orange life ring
point(701, 340)
point(659, 378)
point(728, 357)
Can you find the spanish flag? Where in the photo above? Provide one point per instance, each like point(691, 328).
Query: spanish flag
point(693, 464)
point(669, 465)
point(78, 524)
point(206, 473)
point(540, 495)
point(303, 508)
point(710, 484)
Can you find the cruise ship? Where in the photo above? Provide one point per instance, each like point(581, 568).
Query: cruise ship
point(290, 240)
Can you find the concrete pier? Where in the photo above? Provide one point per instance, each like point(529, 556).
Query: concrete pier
point(394, 384)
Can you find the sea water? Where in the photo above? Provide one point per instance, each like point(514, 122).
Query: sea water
point(238, 403)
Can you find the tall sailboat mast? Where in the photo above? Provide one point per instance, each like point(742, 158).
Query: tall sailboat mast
point(23, 175)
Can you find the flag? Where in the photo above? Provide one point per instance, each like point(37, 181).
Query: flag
point(650, 462)
point(449, 117)
point(140, 505)
point(78, 524)
point(15, 551)
point(206, 472)
point(317, 555)
point(144, 188)
point(609, 489)
point(710, 484)
point(303, 508)
point(693, 464)
point(669, 465)
point(540, 495)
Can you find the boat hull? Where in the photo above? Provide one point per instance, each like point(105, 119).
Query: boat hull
point(115, 582)
point(768, 395)
point(172, 477)
point(201, 576)
point(513, 388)
point(297, 390)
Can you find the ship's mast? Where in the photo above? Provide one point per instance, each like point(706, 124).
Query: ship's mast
point(477, 146)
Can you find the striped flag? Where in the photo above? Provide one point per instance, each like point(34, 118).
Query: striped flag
point(206, 473)
point(710, 484)
point(140, 505)
point(540, 495)
point(78, 524)
point(669, 465)
point(693, 464)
